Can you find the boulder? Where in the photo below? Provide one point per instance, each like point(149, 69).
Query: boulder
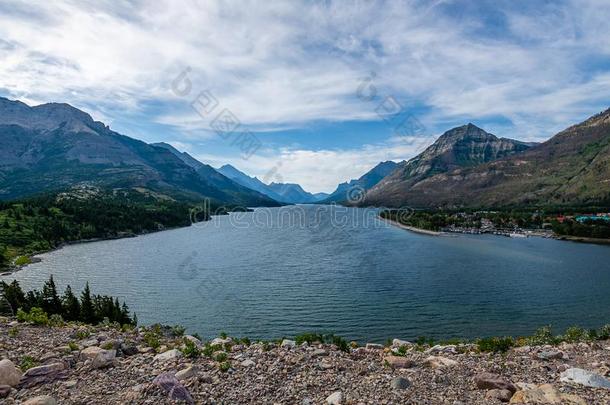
point(248, 363)
point(9, 374)
point(490, 381)
point(400, 383)
point(545, 394)
point(374, 346)
point(336, 398)
point(499, 395)
point(398, 362)
point(584, 377)
point(549, 355)
point(168, 355)
point(5, 391)
point(399, 343)
point(438, 362)
point(41, 400)
point(288, 344)
point(194, 340)
point(319, 352)
point(105, 358)
point(175, 390)
point(221, 341)
point(449, 349)
point(186, 373)
point(89, 353)
point(129, 349)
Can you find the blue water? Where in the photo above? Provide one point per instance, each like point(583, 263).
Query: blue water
point(282, 271)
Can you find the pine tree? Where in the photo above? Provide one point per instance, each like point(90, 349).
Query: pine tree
point(14, 295)
point(51, 303)
point(87, 310)
point(71, 305)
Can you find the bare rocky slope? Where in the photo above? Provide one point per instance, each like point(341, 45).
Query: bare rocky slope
point(571, 168)
point(102, 365)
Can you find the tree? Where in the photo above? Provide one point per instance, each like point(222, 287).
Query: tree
point(51, 303)
point(3, 257)
point(14, 295)
point(87, 310)
point(71, 306)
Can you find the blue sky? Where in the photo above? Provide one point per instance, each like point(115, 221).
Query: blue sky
point(298, 75)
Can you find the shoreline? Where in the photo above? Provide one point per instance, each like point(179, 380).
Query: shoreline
point(412, 228)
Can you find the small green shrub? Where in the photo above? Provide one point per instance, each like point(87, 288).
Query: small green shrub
point(245, 341)
point(178, 331)
point(543, 336)
point(27, 362)
point(495, 344)
point(22, 261)
point(13, 332)
point(73, 346)
point(190, 349)
point(423, 341)
point(402, 351)
point(82, 334)
point(574, 334)
point(224, 366)
point(604, 332)
point(221, 357)
point(152, 339)
point(309, 338)
point(56, 320)
point(36, 316)
point(223, 335)
point(338, 341)
point(108, 346)
point(266, 346)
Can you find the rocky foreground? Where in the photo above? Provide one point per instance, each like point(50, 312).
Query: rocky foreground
point(103, 365)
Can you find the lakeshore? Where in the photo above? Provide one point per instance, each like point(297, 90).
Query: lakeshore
point(412, 228)
point(75, 364)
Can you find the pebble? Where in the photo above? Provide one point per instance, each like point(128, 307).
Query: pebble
point(400, 383)
point(336, 398)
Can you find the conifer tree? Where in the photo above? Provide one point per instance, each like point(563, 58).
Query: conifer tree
point(87, 310)
point(71, 305)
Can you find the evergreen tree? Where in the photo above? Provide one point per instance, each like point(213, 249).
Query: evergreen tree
point(3, 257)
point(87, 310)
point(14, 295)
point(51, 303)
point(71, 306)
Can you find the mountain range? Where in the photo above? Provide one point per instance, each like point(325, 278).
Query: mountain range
point(52, 147)
point(365, 182)
point(467, 167)
point(283, 192)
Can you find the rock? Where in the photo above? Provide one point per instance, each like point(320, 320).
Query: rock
point(221, 341)
point(70, 384)
point(248, 363)
point(324, 365)
point(168, 355)
point(9, 374)
point(549, 355)
point(41, 400)
point(584, 377)
point(194, 340)
point(399, 343)
point(449, 349)
point(176, 391)
point(105, 358)
point(400, 383)
point(438, 362)
point(89, 353)
point(5, 391)
point(89, 343)
point(398, 362)
point(374, 346)
point(489, 381)
point(288, 344)
point(500, 395)
point(186, 373)
point(129, 349)
point(545, 394)
point(335, 398)
point(145, 349)
point(319, 352)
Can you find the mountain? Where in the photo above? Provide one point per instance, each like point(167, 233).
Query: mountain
point(571, 168)
point(365, 182)
point(283, 192)
point(52, 147)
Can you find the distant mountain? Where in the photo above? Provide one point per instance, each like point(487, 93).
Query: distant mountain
point(53, 146)
point(473, 169)
point(365, 182)
point(282, 192)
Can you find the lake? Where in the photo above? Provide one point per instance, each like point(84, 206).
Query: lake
point(283, 271)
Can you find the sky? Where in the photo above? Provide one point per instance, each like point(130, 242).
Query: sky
point(311, 92)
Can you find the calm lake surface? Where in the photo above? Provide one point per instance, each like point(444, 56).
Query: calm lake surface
point(283, 271)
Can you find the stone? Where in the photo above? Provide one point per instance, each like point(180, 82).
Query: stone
point(9, 374)
point(194, 340)
point(545, 394)
point(324, 365)
point(187, 373)
point(398, 362)
point(105, 358)
point(319, 352)
point(400, 383)
point(489, 381)
point(5, 391)
point(584, 377)
point(288, 344)
point(89, 343)
point(175, 390)
point(89, 353)
point(500, 395)
point(41, 400)
point(44, 369)
point(70, 384)
point(549, 355)
point(336, 398)
point(399, 343)
point(248, 363)
point(374, 346)
point(168, 355)
point(438, 362)
point(221, 341)
point(449, 349)
point(129, 349)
